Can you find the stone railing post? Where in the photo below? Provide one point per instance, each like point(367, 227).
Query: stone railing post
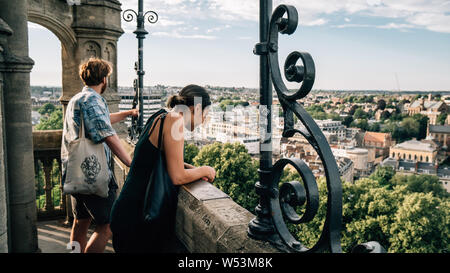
point(48, 166)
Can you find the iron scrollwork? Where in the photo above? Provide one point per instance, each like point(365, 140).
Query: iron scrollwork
point(283, 202)
point(129, 15)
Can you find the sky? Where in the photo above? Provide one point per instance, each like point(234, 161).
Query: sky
point(356, 44)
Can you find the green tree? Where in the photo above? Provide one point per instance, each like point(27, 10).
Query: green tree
point(289, 175)
point(385, 115)
point(442, 118)
point(54, 122)
point(374, 127)
point(368, 211)
point(381, 104)
point(353, 110)
point(383, 176)
point(422, 225)
point(347, 121)
point(361, 124)
point(410, 127)
point(236, 172)
point(190, 151)
point(47, 109)
point(423, 125)
point(402, 216)
point(421, 183)
point(224, 103)
point(359, 114)
point(334, 116)
point(372, 212)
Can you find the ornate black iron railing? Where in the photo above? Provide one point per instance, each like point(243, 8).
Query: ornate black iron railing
point(129, 15)
point(277, 205)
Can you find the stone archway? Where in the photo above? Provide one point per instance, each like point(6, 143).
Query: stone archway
point(83, 34)
point(90, 28)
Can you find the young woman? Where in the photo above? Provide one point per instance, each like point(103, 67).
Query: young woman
point(188, 110)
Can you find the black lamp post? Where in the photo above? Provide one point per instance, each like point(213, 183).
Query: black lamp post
point(129, 15)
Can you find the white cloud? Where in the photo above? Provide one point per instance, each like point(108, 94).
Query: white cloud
point(401, 27)
point(432, 21)
point(219, 28)
point(433, 15)
point(177, 35)
point(396, 26)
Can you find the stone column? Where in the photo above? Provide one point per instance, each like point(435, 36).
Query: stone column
point(98, 27)
point(5, 31)
point(18, 131)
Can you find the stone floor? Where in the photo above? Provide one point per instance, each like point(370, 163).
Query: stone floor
point(53, 237)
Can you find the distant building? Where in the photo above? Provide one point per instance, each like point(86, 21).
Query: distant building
point(429, 108)
point(360, 158)
point(441, 133)
point(346, 169)
point(35, 118)
point(39, 102)
point(380, 142)
point(332, 127)
point(409, 167)
point(152, 103)
point(307, 153)
point(379, 113)
point(424, 151)
point(352, 133)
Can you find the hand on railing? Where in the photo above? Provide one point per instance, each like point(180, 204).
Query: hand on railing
point(134, 113)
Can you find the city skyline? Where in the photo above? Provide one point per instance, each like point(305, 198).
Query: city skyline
point(356, 45)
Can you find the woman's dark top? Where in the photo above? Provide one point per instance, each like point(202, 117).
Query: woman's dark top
point(130, 233)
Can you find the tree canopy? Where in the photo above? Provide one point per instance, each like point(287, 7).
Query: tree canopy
point(50, 120)
point(403, 213)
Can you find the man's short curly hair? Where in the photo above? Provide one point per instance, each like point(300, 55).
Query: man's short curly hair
point(94, 71)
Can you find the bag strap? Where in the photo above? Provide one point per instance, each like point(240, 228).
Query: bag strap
point(161, 126)
point(154, 124)
point(81, 131)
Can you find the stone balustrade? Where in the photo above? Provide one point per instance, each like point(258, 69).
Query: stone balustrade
point(47, 149)
point(207, 220)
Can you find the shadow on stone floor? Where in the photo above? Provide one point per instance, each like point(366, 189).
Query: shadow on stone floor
point(53, 237)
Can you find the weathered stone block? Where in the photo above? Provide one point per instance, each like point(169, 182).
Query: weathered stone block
point(208, 221)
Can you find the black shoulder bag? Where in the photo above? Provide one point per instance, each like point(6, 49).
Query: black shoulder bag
point(161, 195)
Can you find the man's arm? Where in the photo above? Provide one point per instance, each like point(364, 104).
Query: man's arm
point(119, 116)
point(116, 147)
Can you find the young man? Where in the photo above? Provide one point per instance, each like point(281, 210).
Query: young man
point(97, 123)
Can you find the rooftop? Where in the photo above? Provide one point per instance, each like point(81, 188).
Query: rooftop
point(417, 145)
point(440, 129)
point(427, 104)
point(375, 137)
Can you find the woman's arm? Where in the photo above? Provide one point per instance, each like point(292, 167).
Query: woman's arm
point(173, 142)
point(189, 166)
point(119, 116)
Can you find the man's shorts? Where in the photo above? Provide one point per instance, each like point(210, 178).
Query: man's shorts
point(93, 206)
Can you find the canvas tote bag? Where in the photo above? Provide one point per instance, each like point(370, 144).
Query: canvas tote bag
point(87, 167)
